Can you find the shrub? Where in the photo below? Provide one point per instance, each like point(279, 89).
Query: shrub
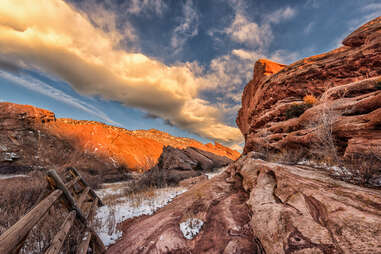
point(310, 100)
point(295, 110)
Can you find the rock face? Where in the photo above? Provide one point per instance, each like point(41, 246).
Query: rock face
point(342, 127)
point(302, 210)
point(262, 207)
point(26, 145)
point(217, 203)
point(175, 165)
point(257, 206)
point(32, 138)
point(136, 150)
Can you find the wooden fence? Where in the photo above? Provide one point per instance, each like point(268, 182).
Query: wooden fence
point(79, 199)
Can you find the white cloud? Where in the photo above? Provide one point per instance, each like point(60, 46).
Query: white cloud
point(106, 19)
point(187, 28)
point(249, 33)
point(143, 6)
point(280, 15)
point(45, 89)
point(309, 27)
point(51, 36)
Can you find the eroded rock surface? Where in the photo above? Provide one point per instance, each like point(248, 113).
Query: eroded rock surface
point(262, 207)
point(257, 206)
point(218, 203)
point(301, 210)
point(343, 126)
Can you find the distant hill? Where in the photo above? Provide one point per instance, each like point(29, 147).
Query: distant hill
point(30, 136)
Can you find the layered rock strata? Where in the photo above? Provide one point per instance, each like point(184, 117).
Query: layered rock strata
point(342, 127)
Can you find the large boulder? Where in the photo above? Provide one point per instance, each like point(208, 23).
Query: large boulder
point(175, 165)
point(339, 124)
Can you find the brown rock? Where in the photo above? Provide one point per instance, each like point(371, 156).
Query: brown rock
point(266, 208)
point(335, 130)
point(187, 183)
point(220, 205)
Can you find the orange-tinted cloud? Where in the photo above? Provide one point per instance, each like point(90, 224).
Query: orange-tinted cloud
point(53, 37)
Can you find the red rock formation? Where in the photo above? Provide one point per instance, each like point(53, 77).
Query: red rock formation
point(345, 83)
point(257, 206)
point(262, 207)
point(136, 150)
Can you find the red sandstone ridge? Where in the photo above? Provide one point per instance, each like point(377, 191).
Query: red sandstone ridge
point(258, 206)
point(268, 67)
point(345, 121)
point(136, 150)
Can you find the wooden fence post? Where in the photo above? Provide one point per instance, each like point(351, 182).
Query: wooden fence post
point(14, 235)
point(60, 185)
point(59, 238)
point(92, 192)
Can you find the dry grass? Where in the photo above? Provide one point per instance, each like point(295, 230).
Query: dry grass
point(18, 196)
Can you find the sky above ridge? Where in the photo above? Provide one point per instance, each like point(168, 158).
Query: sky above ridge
point(179, 66)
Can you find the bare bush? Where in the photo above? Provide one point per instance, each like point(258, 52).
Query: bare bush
point(325, 148)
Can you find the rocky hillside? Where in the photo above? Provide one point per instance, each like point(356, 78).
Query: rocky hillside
point(32, 138)
point(324, 109)
point(259, 206)
point(137, 150)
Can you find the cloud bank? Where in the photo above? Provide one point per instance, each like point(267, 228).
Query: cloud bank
point(52, 37)
point(45, 89)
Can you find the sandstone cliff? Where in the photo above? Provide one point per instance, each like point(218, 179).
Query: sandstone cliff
point(33, 138)
point(258, 206)
point(342, 127)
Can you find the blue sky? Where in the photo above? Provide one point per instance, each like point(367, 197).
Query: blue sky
point(178, 65)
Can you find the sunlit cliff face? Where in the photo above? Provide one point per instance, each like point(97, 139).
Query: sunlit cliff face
point(53, 37)
point(136, 150)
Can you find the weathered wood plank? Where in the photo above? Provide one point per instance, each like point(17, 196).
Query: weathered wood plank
point(83, 196)
point(73, 182)
point(84, 245)
point(14, 235)
point(98, 242)
point(60, 237)
point(69, 197)
point(92, 192)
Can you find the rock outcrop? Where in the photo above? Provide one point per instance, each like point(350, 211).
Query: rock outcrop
point(175, 165)
point(342, 127)
point(32, 138)
point(262, 207)
point(258, 206)
point(26, 145)
point(219, 204)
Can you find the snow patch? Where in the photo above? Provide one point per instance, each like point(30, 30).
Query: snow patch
point(11, 176)
point(191, 227)
point(336, 170)
point(124, 208)
point(210, 175)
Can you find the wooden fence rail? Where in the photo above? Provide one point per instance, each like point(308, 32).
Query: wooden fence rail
point(11, 241)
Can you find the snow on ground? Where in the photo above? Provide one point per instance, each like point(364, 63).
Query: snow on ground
point(191, 227)
point(124, 208)
point(219, 171)
point(336, 170)
point(11, 176)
